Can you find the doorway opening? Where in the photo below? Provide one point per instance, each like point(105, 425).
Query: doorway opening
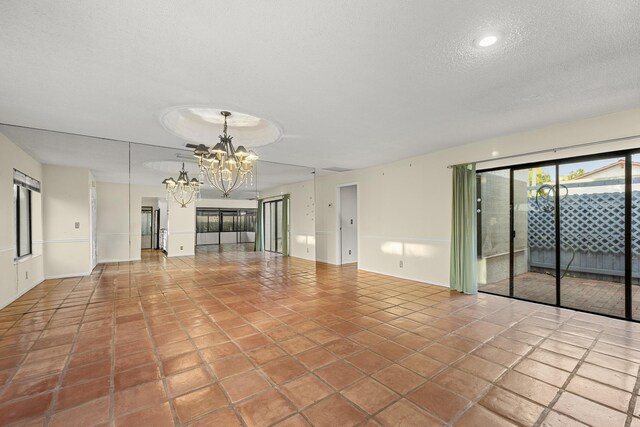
point(156, 230)
point(146, 227)
point(272, 214)
point(348, 224)
point(93, 201)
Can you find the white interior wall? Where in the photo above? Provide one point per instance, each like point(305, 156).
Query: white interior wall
point(137, 194)
point(66, 203)
point(302, 242)
point(227, 204)
point(119, 207)
point(164, 209)
point(93, 218)
point(113, 222)
point(405, 206)
point(182, 229)
point(151, 202)
point(17, 277)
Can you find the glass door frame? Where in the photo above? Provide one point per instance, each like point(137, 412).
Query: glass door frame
point(277, 220)
point(628, 251)
point(147, 210)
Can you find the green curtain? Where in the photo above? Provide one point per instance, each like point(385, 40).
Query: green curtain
point(463, 275)
point(285, 225)
point(259, 227)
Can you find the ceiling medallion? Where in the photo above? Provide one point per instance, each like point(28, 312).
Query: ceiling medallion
point(199, 124)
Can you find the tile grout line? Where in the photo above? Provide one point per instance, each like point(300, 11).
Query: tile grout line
point(430, 378)
point(494, 383)
point(633, 400)
point(258, 368)
point(276, 343)
point(58, 387)
point(206, 364)
point(369, 416)
point(158, 361)
point(112, 376)
point(561, 390)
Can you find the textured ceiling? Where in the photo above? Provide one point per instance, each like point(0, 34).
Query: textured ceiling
point(352, 83)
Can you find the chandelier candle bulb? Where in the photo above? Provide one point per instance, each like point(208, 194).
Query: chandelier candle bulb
point(184, 191)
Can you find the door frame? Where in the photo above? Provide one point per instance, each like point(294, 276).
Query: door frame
point(157, 229)
point(277, 223)
point(142, 210)
point(627, 154)
point(338, 221)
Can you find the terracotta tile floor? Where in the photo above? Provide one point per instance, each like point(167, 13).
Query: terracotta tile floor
point(596, 296)
point(253, 339)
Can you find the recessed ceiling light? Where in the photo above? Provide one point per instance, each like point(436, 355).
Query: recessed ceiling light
point(488, 40)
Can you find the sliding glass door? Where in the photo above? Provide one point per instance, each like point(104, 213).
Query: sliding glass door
point(592, 236)
point(534, 234)
point(273, 226)
point(493, 231)
point(568, 231)
point(216, 226)
point(633, 253)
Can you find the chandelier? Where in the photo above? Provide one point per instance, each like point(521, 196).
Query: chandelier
point(225, 167)
point(184, 191)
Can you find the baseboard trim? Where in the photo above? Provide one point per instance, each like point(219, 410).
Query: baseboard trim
point(405, 277)
point(324, 261)
point(113, 261)
point(67, 276)
point(179, 255)
point(306, 259)
point(19, 294)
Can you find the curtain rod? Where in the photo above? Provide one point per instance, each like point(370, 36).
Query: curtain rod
point(550, 150)
point(277, 196)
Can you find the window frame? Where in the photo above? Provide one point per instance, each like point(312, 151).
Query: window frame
point(237, 226)
point(18, 224)
point(273, 216)
point(627, 154)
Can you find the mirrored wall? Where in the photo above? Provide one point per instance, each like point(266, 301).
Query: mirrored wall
point(103, 207)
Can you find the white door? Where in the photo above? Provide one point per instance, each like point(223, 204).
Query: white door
point(349, 224)
point(93, 198)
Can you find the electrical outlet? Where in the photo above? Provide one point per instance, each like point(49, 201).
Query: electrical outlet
point(307, 250)
point(181, 247)
point(26, 275)
point(349, 251)
point(77, 224)
point(401, 264)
